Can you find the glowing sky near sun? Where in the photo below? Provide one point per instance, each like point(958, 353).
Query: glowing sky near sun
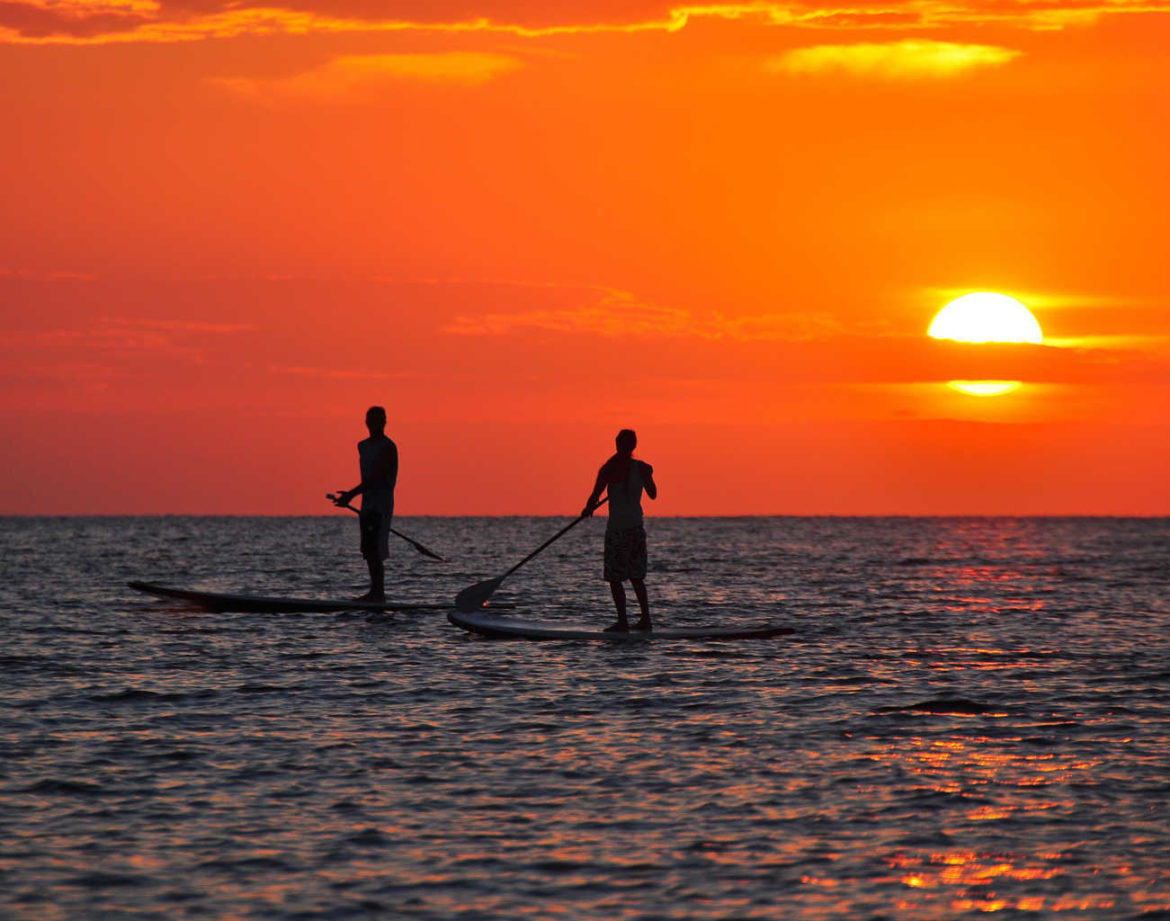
point(230, 227)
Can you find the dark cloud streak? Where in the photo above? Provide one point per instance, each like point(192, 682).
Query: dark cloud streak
point(193, 19)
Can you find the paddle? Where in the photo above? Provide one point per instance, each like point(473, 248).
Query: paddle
point(476, 596)
point(332, 497)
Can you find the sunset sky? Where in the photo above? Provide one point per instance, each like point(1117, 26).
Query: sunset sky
point(229, 227)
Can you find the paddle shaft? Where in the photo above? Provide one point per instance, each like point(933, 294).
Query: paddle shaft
point(476, 596)
point(414, 543)
point(572, 524)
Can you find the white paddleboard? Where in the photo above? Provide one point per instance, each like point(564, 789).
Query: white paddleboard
point(259, 604)
point(494, 625)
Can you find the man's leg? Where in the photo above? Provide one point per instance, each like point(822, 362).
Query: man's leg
point(619, 599)
point(643, 603)
point(375, 533)
point(377, 590)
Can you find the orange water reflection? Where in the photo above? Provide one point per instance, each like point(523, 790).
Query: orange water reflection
point(934, 874)
point(1005, 578)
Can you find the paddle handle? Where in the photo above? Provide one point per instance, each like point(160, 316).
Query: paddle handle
point(563, 531)
point(332, 497)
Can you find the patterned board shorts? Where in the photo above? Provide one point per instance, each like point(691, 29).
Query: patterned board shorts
point(625, 554)
point(375, 535)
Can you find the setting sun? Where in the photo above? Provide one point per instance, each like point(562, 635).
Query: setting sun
point(986, 317)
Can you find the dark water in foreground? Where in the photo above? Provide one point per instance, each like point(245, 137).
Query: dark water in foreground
point(974, 715)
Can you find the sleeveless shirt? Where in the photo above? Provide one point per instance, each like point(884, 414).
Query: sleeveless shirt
point(625, 500)
point(379, 496)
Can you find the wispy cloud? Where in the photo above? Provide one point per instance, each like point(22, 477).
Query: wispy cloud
point(342, 374)
point(617, 314)
point(40, 275)
point(107, 350)
point(117, 335)
point(912, 59)
point(106, 21)
point(182, 326)
point(354, 75)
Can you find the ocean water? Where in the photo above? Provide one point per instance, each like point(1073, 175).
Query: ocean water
point(973, 715)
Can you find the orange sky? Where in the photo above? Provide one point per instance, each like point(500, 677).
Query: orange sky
point(230, 227)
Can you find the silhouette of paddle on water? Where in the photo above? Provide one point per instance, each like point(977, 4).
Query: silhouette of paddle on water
point(476, 596)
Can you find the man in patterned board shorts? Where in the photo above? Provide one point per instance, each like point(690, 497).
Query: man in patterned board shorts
point(624, 478)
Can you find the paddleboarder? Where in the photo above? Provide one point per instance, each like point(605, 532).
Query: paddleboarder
point(378, 462)
point(624, 478)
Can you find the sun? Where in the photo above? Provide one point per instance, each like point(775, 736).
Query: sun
point(985, 317)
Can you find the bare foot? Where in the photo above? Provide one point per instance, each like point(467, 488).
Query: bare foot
point(621, 626)
point(378, 597)
point(644, 624)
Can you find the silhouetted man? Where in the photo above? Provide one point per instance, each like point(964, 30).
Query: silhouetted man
point(378, 461)
point(624, 478)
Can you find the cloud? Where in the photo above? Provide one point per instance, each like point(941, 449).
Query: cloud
point(107, 352)
point(351, 75)
point(780, 348)
point(343, 374)
point(905, 60)
point(616, 314)
point(117, 336)
point(42, 275)
point(104, 21)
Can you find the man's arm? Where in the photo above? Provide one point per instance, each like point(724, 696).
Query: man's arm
point(591, 502)
point(648, 480)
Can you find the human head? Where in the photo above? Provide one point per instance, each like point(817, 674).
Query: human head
point(376, 420)
point(626, 441)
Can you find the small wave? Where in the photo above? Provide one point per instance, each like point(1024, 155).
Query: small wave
point(17, 663)
point(925, 840)
point(716, 653)
point(558, 866)
point(261, 689)
point(953, 706)
point(247, 864)
point(106, 880)
point(131, 695)
point(66, 788)
point(367, 837)
point(175, 755)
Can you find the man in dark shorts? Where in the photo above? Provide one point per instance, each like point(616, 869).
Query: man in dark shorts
point(624, 478)
point(378, 460)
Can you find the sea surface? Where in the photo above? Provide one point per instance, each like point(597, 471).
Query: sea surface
point(973, 715)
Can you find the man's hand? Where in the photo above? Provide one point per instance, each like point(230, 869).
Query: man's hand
point(342, 499)
point(590, 507)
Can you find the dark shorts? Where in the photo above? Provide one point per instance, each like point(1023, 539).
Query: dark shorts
point(625, 554)
point(375, 535)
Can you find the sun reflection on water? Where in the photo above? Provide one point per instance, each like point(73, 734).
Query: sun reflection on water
point(952, 875)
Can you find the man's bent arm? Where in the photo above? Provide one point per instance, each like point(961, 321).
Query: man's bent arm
point(591, 502)
point(648, 481)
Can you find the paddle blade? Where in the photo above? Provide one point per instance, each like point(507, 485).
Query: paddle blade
point(476, 596)
point(425, 551)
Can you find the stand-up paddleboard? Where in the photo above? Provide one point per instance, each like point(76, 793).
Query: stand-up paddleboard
point(510, 628)
point(256, 604)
